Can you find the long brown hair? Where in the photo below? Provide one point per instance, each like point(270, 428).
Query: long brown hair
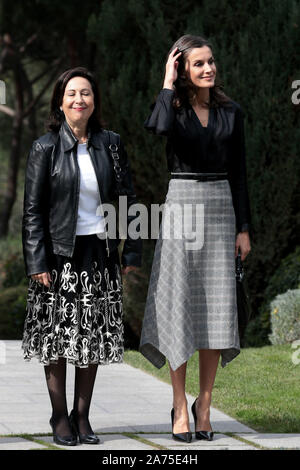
point(185, 90)
point(56, 116)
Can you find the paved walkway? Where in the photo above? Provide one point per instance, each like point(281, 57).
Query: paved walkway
point(130, 411)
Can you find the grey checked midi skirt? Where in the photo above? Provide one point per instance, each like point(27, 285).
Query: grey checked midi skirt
point(191, 301)
point(79, 317)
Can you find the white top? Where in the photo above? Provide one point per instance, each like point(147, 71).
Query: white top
point(88, 222)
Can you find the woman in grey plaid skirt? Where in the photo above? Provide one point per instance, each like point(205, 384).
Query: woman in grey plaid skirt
point(191, 302)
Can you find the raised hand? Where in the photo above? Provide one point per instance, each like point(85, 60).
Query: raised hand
point(171, 69)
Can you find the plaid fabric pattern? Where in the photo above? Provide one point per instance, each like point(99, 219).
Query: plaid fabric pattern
point(191, 301)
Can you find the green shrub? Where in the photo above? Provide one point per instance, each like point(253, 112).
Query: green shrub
point(135, 294)
point(12, 269)
point(257, 331)
point(287, 276)
point(12, 312)
point(285, 317)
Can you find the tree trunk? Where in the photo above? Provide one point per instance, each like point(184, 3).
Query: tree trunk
point(14, 160)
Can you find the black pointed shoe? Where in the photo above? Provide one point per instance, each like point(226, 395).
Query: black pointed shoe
point(83, 438)
point(183, 436)
point(70, 440)
point(203, 435)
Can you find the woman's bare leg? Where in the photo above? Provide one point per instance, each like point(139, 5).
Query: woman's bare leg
point(208, 364)
point(181, 417)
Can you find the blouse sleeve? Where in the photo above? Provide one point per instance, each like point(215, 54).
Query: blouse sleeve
point(161, 120)
point(238, 175)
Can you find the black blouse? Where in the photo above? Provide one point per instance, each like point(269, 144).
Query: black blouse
point(217, 148)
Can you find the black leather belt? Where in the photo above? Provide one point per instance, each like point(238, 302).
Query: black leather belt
point(200, 176)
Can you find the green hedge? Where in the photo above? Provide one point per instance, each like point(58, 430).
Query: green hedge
point(12, 312)
point(12, 270)
point(287, 276)
point(285, 317)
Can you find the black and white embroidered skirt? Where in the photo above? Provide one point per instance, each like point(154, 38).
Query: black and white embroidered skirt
point(191, 301)
point(79, 317)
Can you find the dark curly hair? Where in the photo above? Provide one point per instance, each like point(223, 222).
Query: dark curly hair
point(56, 116)
point(185, 90)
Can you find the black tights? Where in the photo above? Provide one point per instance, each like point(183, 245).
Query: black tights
point(84, 384)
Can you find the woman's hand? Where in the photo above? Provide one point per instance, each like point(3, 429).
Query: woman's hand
point(171, 69)
point(127, 269)
point(42, 278)
point(243, 243)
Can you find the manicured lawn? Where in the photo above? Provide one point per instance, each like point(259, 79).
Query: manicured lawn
point(261, 387)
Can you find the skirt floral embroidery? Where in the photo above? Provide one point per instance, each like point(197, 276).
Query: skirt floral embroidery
point(79, 317)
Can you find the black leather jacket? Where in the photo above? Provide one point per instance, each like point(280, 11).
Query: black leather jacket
point(51, 196)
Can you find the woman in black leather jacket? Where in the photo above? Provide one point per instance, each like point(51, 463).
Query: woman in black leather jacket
point(74, 305)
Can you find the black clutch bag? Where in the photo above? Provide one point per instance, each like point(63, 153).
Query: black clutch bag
point(242, 297)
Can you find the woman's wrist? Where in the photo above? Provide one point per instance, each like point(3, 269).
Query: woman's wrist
point(168, 84)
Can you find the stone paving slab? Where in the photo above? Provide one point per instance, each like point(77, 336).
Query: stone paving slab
point(108, 442)
point(119, 442)
point(4, 429)
point(167, 441)
point(274, 441)
point(143, 402)
point(213, 447)
point(125, 399)
point(18, 443)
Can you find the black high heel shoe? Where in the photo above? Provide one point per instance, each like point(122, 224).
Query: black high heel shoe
point(69, 440)
point(83, 438)
point(204, 435)
point(183, 436)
